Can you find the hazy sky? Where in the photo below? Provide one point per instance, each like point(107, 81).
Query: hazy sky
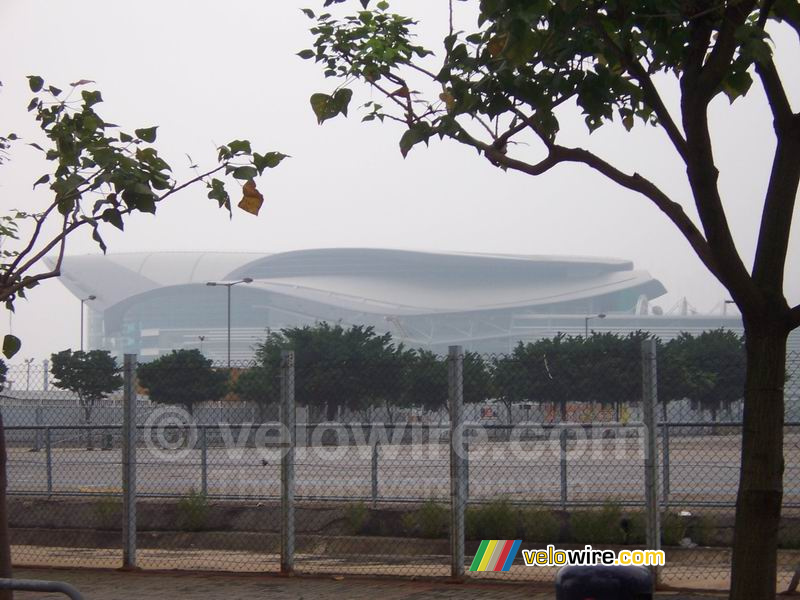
point(210, 72)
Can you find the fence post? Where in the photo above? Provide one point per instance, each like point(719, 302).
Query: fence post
point(45, 375)
point(649, 403)
point(466, 472)
point(48, 461)
point(665, 454)
point(203, 461)
point(287, 461)
point(129, 463)
point(375, 456)
point(562, 454)
point(37, 440)
point(456, 396)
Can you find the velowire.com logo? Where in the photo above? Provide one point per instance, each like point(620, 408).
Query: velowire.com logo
point(495, 555)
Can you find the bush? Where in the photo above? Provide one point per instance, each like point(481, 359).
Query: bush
point(356, 516)
point(602, 526)
point(493, 521)
point(701, 530)
point(636, 529)
point(673, 528)
point(540, 525)
point(431, 520)
point(192, 511)
point(108, 510)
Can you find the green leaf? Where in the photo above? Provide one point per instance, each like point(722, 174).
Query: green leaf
point(240, 147)
point(569, 5)
point(91, 98)
point(43, 179)
point(99, 240)
point(146, 204)
point(321, 105)
point(35, 82)
point(217, 192)
point(308, 12)
point(11, 344)
point(342, 99)
point(113, 216)
point(147, 134)
point(736, 85)
point(268, 161)
point(306, 54)
point(124, 137)
point(54, 90)
point(414, 136)
point(245, 172)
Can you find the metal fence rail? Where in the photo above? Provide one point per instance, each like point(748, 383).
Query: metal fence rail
point(407, 485)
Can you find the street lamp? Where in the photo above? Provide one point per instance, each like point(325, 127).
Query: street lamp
point(586, 324)
point(725, 306)
point(28, 362)
point(229, 285)
point(87, 299)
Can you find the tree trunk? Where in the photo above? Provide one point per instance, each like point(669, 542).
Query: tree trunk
point(758, 505)
point(87, 413)
point(5, 540)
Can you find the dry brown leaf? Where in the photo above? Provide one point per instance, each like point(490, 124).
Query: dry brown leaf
point(401, 92)
point(448, 99)
point(251, 198)
point(497, 44)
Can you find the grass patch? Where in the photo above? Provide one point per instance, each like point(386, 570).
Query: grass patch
point(603, 526)
point(539, 525)
point(192, 511)
point(431, 520)
point(356, 516)
point(493, 521)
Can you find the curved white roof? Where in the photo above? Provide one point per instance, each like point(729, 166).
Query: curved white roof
point(365, 279)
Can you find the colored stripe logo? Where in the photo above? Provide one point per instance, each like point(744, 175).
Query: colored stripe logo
point(495, 555)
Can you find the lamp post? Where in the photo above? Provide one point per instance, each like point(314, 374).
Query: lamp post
point(28, 362)
point(201, 338)
point(87, 299)
point(229, 285)
point(725, 306)
point(586, 323)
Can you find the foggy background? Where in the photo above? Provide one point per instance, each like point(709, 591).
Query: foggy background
point(211, 72)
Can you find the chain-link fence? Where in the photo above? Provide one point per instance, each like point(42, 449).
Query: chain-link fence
point(387, 467)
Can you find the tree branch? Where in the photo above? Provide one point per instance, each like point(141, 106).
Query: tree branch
point(635, 182)
point(722, 53)
point(31, 243)
point(776, 217)
point(703, 175)
point(791, 21)
point(776, 94)
point(794, 317)
point(649, 89)
point(645, 187)
point(25, 282)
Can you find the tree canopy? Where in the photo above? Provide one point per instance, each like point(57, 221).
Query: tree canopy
point(352, 368)
point(91, 375)
point(183, 377)
point(504, 89)
point(708, 369)
point(98, 174)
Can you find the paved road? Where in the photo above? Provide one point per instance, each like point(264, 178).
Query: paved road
point(701, 469)
point(114, 585)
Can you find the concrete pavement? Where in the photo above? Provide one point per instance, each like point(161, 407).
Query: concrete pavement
point(116, 585)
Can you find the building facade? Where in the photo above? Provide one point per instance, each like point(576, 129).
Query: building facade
point(152, 303)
